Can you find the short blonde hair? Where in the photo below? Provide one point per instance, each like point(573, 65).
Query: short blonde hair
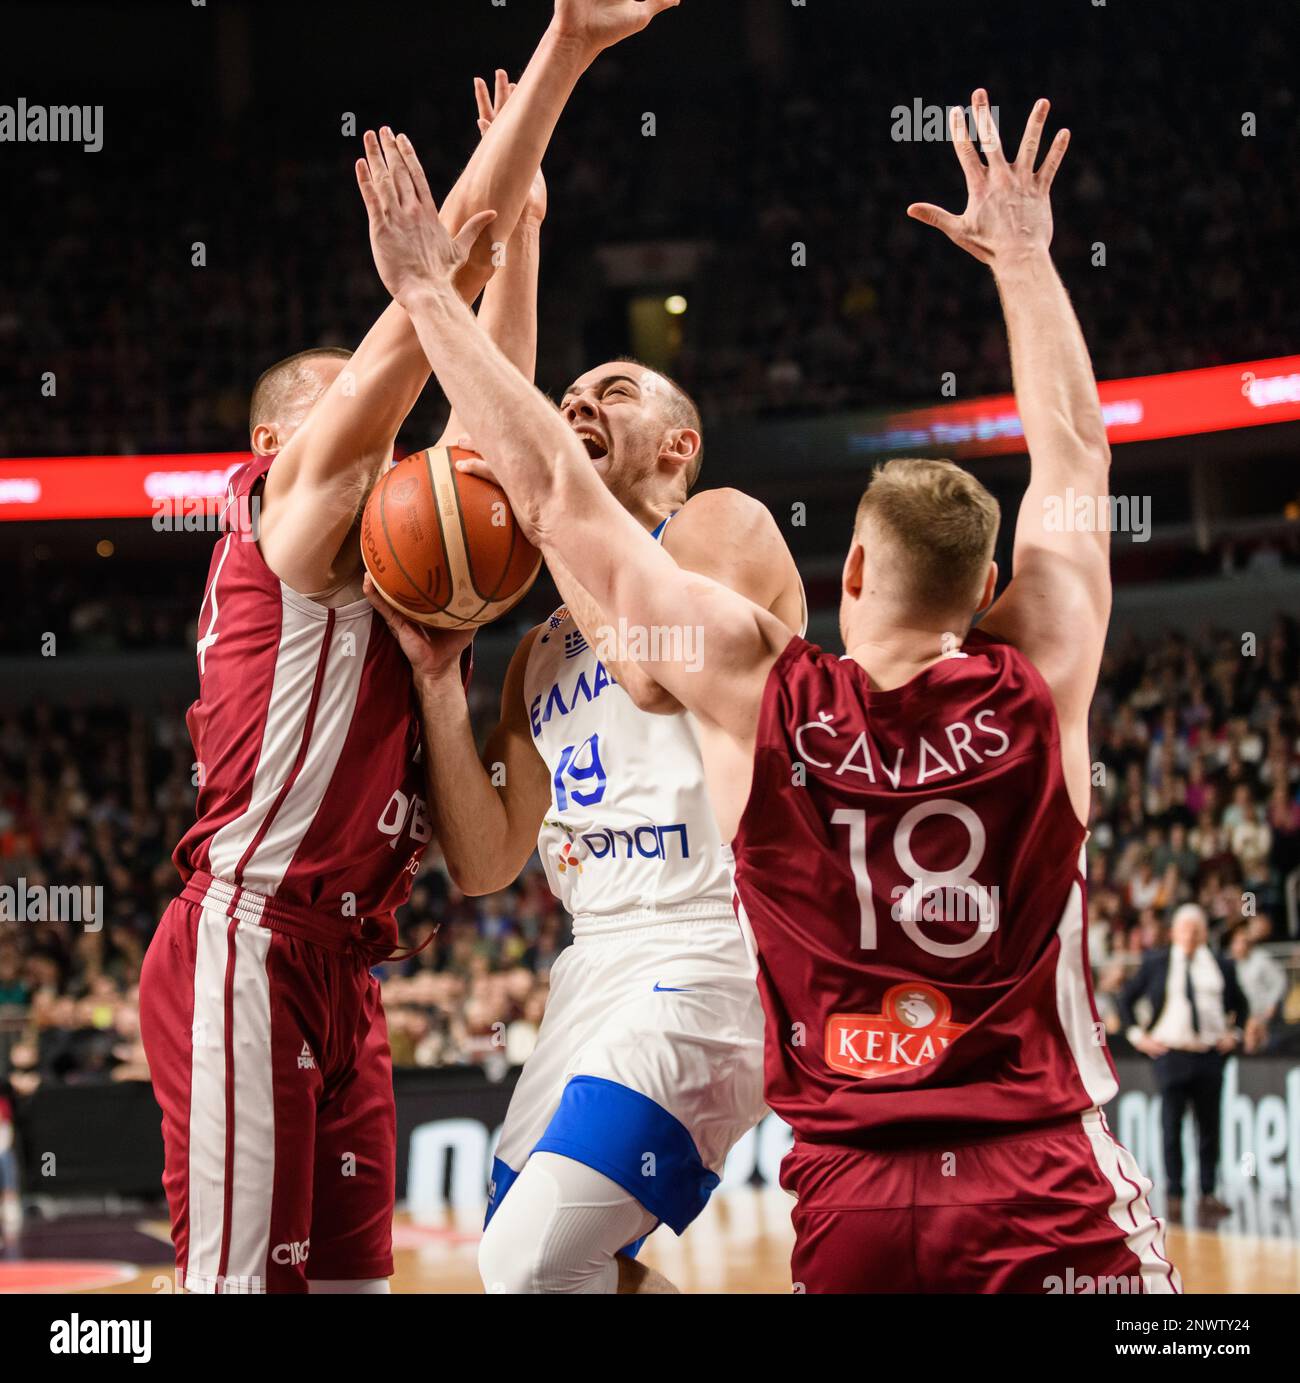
point(940, 521)
point(289, 383)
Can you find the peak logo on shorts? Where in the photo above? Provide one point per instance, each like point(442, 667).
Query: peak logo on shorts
point(912, 1028)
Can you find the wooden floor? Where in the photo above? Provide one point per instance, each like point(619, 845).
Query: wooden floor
point(742, 1244)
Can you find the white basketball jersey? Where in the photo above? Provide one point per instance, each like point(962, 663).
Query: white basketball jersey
point(630, 827)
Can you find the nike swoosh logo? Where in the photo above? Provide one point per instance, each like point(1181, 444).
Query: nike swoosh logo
point(667, 989)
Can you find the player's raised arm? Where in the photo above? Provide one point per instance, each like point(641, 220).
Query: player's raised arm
point(500, 172)
point(1057, 605)
point(556, 494)
point(508, 312)
point(486, 810)
point(314, 488)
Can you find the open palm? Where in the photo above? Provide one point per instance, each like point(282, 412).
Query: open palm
point(1008, 209)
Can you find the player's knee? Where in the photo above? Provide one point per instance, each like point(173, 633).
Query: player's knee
point(514, 1258)
point(512, 1268)
point(513, 1264)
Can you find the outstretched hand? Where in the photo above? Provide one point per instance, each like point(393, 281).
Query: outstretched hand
point(1008, 214)
point(411, 246)
point(599, 24)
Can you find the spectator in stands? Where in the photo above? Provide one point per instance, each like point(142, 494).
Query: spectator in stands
point(1195, 1006)
point(11, 1215)
point(1249, 835)
point(14, 992)
point(1263, 982)
point(862, 325)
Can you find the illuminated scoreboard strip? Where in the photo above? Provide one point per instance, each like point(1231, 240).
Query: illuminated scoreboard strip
point(114, 487)
point(1135, 410)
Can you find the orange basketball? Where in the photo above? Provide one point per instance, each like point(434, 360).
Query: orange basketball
point(443, 547)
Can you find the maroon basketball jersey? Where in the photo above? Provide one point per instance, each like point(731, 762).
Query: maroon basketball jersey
point(307, 741)
point(909, 863)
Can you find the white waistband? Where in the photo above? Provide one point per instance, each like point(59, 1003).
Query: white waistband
point(589, 925)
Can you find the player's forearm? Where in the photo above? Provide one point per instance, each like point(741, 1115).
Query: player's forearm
point(509, 309)
point(469, 815)
point(499, 175)
point(508, 312)
point(502, 168)
point(387, 372)
point(1056, 390)
point(390, 368)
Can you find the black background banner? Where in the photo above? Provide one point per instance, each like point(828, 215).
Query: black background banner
point(106, 1140)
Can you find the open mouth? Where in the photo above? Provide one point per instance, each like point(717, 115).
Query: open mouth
point(596, 448)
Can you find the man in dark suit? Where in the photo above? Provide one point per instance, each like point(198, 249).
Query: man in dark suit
point(1197, 1009)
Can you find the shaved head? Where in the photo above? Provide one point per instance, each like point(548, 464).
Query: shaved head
point(284, 394)
point(680, 410)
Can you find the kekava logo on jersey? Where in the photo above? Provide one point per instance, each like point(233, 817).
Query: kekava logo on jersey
point(912, 1028)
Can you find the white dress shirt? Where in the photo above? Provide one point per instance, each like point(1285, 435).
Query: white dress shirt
point(1174, 1027)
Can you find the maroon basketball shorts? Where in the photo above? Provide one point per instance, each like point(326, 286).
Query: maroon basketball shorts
point(1059, 1209)
point(269, 1057)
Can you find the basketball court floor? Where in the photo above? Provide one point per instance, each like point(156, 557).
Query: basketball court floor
point(741, 1244)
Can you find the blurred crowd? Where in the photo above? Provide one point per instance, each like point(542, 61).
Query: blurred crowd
point(1196, 752)
point(1196, 763)
point(776, 182)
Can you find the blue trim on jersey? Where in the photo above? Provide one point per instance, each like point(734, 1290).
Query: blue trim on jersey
point(503, 1178)
point(658, 533)
point(612, 1127)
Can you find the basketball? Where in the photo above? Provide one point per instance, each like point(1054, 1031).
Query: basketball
point(443, 547)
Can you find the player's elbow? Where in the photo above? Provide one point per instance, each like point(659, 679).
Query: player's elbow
point(1100, 448)
point(480, 885)
point(647, 695)
point(1089, 444)
point(476, 876)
